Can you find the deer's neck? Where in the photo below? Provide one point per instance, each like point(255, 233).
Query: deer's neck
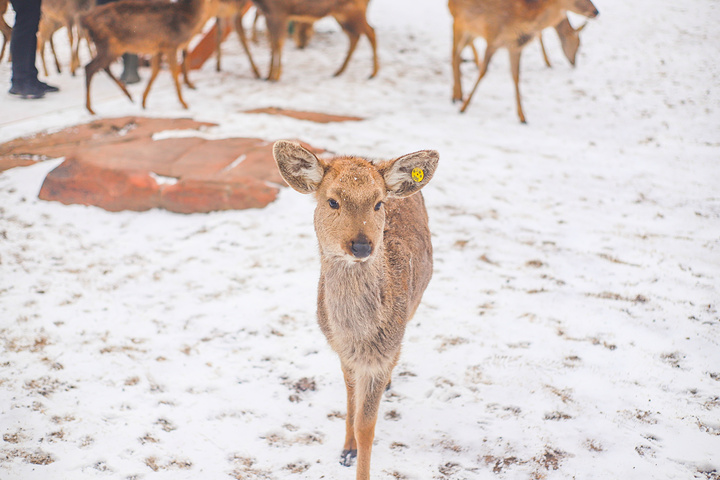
point(354, 291)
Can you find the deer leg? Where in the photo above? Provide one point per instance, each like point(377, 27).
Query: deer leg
point(277, 30)
point(544, 53)
point(155, 64)
point(460, 39)
point(6, 33)
point(515, 67)
point(350, 447)
point(368, 393)
point(243, 41)
point(489, 51)
point(353, 36)
point(186, 79)
point(55, 57)
point(218, 49)
point(175, 70)
point(41, 51)
point(370, 34)
point(101, 61)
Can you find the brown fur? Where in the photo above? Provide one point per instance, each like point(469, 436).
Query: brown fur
point(365, 301)
point(569, 40)
point(4, 27)
point(350, 14)
point(507, 24)
point(55, 15)
point(136, 26)
point(235, 10)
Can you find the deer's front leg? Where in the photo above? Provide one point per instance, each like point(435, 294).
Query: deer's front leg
point(350, 448)
point(368, 393)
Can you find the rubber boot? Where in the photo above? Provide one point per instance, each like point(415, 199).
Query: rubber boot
point(130, 69)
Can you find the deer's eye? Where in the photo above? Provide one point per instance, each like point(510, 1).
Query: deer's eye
point(333, 203)
point(378, 205)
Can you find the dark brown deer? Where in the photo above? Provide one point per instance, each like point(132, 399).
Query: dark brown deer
point(375, 262)
point(158, 28)
point(507, 24)
point(350, 14)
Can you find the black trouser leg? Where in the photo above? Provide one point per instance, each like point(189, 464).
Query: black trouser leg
point(23, 43)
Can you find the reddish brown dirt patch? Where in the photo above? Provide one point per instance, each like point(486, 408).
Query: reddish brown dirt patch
point(115, 164)
point(310, 116)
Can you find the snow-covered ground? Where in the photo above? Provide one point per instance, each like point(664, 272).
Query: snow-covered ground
point(571, 329)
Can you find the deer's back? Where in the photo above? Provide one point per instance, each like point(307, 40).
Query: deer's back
point(309, 10)
point(504, 22)
point(142, 26)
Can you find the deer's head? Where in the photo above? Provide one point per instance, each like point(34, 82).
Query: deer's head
point(351, 194)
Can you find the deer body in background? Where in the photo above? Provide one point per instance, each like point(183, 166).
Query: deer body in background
point(507, 24)
point(138, 26)
point(350, 14)
point(55, 15)
point(569, 40)
point(234, 10)
point(4, 27)
point(376, 260)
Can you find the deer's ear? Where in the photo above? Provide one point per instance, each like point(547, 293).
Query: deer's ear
point(300, 168)
point(409, 173)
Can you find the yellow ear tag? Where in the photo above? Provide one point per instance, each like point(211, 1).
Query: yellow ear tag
point(418, 174)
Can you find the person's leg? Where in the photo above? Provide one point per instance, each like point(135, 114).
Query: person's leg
point(23, 45)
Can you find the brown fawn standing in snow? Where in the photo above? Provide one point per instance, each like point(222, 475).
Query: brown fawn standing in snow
point(350, 14)
point(138, 26)
point(375, 262)
point(507, 24)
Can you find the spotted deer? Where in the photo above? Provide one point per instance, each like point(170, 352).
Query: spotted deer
point(509, 24)
point(375, 263)
point(350, 14)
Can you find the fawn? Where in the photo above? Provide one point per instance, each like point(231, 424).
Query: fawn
point(4, 27)
point(507, 24)
point(375, 262)
point(350, 14)
point(138, 26)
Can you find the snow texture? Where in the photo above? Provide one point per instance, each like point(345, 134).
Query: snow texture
point(571, 329)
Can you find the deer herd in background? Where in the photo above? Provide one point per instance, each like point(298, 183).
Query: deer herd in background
point(163, 28)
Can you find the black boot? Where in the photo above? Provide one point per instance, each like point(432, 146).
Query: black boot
point(130, 69)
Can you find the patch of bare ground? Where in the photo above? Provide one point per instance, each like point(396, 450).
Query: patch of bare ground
point(19, 344)
point(707, 474)
point(450, 342)
point(46, 386)
point(301, 386)
point(593, 340)
point(172, 464)
point(280, 440)
point(616, 296)
point(38, 457)
point(297, 467)
point(549, 460)
point(243, 469)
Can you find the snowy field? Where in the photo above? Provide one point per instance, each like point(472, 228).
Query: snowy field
point(571, 329)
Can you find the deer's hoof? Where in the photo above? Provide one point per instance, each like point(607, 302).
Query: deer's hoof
point(347, 457)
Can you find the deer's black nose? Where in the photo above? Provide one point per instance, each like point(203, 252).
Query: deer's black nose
point(361, 249)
